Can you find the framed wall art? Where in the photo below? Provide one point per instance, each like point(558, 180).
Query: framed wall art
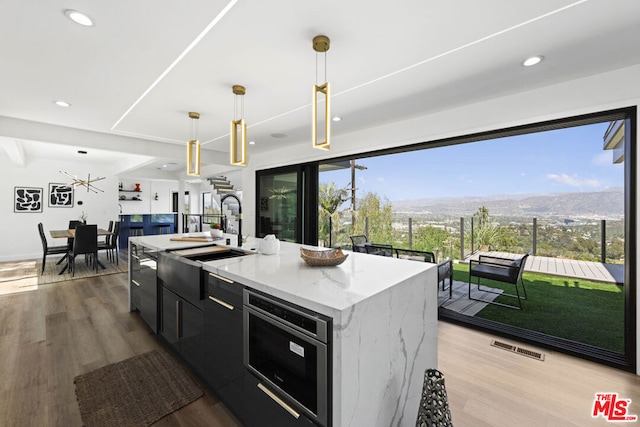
point(60, 195)
point(27, 199)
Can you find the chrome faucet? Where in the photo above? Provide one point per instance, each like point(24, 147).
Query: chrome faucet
point(222, 199)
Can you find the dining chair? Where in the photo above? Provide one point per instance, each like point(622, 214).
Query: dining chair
point(84, 242)
point(48, 250)
point(106, 238)
point(111, 244)
point(72, 225)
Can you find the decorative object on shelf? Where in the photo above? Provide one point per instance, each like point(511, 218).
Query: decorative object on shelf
point(136, 197)
point(27, 199)
point(88, 183)
point(216, 232)
point(321, 44)
point(193, 146)
point(137, 187)
point(269, 245)
point(120, 185)
point(60, 196)
point(123, 197)
point(323, 258)
point(238, 160)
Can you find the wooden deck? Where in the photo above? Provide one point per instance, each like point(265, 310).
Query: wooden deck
point(586, 270)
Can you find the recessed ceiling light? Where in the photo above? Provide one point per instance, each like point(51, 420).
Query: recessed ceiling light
point(337, 118)
point(164, 166)
point(78, 17)
point(532, 61)
point(252, 143)
point(62, 103)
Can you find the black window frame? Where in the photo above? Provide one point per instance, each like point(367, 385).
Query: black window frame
point(627, 360)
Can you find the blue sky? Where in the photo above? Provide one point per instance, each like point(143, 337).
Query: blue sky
point(565, 160)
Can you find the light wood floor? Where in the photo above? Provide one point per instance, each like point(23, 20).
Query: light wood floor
point(50, 335)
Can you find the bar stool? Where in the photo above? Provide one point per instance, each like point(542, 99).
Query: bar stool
point(164, 228)
point(136, 230)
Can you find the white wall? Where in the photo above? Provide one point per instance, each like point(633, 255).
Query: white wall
point(20, 230)
point(148, 188)
point(595, 93)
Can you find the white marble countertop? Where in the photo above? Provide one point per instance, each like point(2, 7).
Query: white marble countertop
point(287, 276)
point(322, 289)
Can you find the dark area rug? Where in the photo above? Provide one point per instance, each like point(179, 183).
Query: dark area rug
point(135, 392)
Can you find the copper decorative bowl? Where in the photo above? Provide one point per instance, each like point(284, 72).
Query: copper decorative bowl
point(323, 257)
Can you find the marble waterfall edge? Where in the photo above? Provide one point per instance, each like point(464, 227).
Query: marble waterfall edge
point(396, 332)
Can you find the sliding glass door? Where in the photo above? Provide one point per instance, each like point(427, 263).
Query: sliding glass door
point(283, 198)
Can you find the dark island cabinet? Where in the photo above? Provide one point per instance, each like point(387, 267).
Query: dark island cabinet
point(223, 341)
point(144, 285)
point(263, 404)
point(182, 327)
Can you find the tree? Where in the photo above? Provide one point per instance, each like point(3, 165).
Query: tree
point(380, 216)
point(330, 199)
point(430, 238)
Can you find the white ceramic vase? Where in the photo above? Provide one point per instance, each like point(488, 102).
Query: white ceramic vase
point(216, 233)
point(269, 245)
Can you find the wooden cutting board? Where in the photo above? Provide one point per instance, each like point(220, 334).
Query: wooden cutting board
point(191, 239)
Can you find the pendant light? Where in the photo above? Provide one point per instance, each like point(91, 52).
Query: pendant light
point(193, 146)
point(321, 45)
point(238, 125)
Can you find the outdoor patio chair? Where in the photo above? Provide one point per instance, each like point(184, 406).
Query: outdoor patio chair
point(379, 249)
point(358, 243)
point(425, 256)
point(445, 271)
point(445, 268)
point(505, 270)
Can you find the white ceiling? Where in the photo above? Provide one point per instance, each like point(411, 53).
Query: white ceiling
point(131, 78)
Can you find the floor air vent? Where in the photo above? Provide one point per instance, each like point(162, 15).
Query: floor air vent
point(519, 350)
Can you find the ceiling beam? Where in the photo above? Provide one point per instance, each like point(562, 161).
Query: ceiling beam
point(15, 151)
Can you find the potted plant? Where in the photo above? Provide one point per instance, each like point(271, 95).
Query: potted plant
point(216, 231)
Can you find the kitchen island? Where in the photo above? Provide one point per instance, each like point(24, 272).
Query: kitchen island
point(383, 314)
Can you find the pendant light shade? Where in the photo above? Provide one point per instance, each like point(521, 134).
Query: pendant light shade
point(193, 146)
point(320, 120)
point(238, 128)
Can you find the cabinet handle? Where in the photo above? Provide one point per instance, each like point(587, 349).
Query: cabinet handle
point(222, 303)
point(279, 401)
point(178, 319)
point(224, 279)
point(135, 283)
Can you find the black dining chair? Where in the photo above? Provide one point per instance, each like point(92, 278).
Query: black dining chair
point(49, 250)
point(84, 242)
point(106, 238)
point(111, 244)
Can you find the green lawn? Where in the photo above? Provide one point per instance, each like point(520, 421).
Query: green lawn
point(579, 310)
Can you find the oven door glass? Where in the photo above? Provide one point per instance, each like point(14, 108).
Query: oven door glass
point(286, 358)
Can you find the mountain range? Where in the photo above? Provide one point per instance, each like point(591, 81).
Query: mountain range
point(606, 204)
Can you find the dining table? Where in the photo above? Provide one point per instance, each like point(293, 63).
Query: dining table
point(70, 234)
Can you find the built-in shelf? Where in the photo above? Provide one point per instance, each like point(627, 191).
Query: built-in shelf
point(130, 191)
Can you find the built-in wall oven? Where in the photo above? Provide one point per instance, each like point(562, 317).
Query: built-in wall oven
point(288, 349)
